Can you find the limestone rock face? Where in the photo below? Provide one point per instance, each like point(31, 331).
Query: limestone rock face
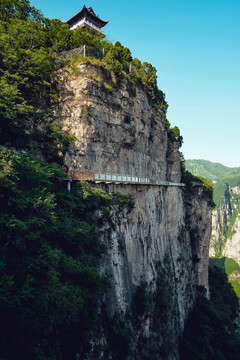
point(226, 226)
point(117, 131)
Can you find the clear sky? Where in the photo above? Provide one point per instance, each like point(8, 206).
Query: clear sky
point(194, 44)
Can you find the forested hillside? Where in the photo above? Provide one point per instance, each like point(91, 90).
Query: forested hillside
point(216, 172)
point(210, 170)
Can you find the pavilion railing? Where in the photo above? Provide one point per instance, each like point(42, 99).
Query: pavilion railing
point(95, 52)
point(85, 50)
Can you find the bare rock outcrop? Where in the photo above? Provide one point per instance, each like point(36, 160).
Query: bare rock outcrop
point(168, 230)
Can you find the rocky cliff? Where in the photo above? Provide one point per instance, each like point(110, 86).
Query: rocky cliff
point(159, 247)
point(225, 239)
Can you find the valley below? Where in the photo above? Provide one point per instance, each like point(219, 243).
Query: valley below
point(225, 238)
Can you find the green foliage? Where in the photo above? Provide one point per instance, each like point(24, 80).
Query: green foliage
point(210, 332)
point(207, 184)
point(18, 9)
point(50, 287)
point(231, 266)
point(216, 172)
point(26, 67)
point(142, 301)
point(118, 106)
point(108, 88)
point(128, 119)
point(232, 270)
point(146, 74)
point(158, 304)
point(120, 336)
point(163, 298)
point(230, 230)
point(124, 201)
point(87, 114)
point(29, 44)
point(86, 36)
point(193, 181)
point(150, 138)
point(232, 181)
point(173, 133)
point(58, 36)
point(117, 60)
point(126, 334)
point(210, 170)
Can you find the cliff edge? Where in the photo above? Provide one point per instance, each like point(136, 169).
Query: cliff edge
point(158, 247)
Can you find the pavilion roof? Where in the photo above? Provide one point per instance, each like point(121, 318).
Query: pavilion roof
point(90, 14)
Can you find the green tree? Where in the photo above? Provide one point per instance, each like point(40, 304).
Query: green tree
point(50, 287)
point(20, 9)
point(58, 35)
point(117, 59)
point(27, 63)
point(86, 36)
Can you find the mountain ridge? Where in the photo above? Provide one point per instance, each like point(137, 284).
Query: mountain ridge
point(213, 171)
point(216, 172)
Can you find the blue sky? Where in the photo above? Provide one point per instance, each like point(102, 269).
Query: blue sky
point(196, 49)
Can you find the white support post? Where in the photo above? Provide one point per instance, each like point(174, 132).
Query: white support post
point(84, 50)
point(69, 186)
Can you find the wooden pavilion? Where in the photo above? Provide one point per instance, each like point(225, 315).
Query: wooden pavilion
point(86, 18)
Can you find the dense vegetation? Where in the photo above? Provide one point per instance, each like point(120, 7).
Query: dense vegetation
point(50, 285)
point(27, 61)
point(232, 270)
point(211, 331)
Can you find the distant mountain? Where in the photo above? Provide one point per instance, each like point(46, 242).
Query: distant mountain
point(217, 173)
point(210, 170)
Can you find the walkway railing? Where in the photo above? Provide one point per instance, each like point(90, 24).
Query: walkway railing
point(108, 178)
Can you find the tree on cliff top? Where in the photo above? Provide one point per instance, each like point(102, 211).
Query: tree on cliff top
point(19, 9)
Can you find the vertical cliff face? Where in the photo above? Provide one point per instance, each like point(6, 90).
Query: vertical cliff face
point(221, 217)
point(163, 241)
point(116, 129)
point(225, 237)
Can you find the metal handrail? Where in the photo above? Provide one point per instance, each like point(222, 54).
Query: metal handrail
point(99, 177)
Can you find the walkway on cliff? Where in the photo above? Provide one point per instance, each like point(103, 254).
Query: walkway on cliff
point(74, 175)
